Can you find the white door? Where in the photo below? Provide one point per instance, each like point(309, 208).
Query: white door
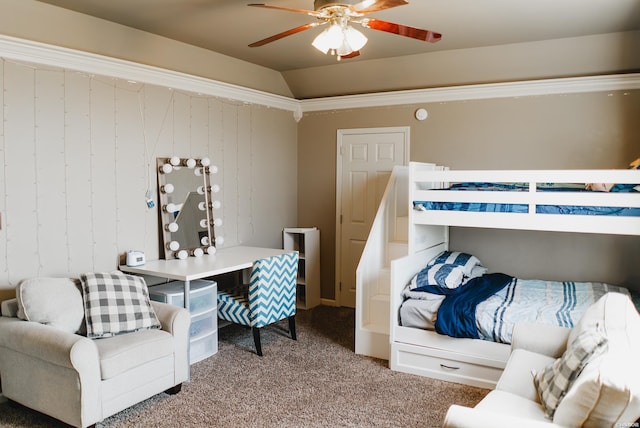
point(366, 158)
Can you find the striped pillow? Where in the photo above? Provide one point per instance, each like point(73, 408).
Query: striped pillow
point(446, 272)
point(465, 261)
point(445, 275)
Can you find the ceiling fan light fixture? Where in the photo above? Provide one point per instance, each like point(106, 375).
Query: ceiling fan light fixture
point(355, 38)
point(329, 39)
point(339, 40)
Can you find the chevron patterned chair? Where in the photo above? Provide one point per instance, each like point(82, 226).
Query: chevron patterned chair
point(269, 297)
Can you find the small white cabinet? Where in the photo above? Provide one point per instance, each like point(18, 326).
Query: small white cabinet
point(203, 305)
point(305, 240)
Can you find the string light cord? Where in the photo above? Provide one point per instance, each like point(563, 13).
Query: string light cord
point(149, 156)
point(4, 182)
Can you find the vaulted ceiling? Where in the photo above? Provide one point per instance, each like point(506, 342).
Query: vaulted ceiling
point(229, 26)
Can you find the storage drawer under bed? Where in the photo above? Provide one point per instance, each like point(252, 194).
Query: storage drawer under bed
point(446, 365)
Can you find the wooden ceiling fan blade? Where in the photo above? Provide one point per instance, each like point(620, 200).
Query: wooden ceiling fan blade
point(287, 9)
point(284, 34)
point(369, 6)
point(402, 30)
point(351, 55)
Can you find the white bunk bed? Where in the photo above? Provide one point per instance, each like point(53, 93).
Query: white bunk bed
point(473, 361)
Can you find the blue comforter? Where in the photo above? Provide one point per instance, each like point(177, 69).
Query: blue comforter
point(457, 312)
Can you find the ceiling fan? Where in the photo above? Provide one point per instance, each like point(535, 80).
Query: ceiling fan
point(340, 38)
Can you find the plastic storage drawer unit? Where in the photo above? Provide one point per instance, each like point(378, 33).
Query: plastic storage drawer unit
point(203, 324)
point(203, 347)
point(202, 298)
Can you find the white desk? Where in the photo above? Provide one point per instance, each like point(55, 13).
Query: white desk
point(225, 260)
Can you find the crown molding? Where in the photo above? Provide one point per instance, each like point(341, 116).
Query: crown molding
point(56, 56)
point(476, 92)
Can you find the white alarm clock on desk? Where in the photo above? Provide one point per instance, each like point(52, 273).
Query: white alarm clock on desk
point(135, 258)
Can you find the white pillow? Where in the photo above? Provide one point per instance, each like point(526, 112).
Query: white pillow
point(607, 392)
point(53, 301)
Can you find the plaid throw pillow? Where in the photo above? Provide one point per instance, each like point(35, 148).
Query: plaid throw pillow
point(116, 303)
point(555, 380)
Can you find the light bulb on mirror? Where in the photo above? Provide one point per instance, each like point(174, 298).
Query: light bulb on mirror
point(166, 168)
point(204, 223)
point(198, 172)
point(219, 241)
point(172, 227)
point(200, 190)
point(215, 188)
point(216, 204)
point(197, 252)
point(213, 169)
point(170, 208)
point(202, 206)
point(174, 160)
point(217, 222)
point(182, 254)
point(190, 163)
point(167, 188)
point(204, 241)
point(205, 162)
point(173, 245)
point(210, 250)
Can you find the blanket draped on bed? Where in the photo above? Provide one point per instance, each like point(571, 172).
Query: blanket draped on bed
point(457, 312)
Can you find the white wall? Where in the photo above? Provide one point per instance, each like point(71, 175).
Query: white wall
point(587, 130)
point(78, 153)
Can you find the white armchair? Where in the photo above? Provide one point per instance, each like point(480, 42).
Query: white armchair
point(603, 387)
point(79, 380)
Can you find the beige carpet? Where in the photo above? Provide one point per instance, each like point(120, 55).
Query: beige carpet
point(316, 381)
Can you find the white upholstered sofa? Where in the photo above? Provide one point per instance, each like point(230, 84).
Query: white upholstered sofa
point(48, 363)
point(586, 376)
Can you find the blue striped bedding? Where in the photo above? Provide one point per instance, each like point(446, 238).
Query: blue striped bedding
point(521, 300)
point(537, 301)
point(524, 208)
point(480, 305)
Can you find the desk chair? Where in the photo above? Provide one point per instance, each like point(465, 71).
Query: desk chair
point(269, 297)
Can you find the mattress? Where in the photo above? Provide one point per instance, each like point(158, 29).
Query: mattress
point(523, 300)
point(419, 313)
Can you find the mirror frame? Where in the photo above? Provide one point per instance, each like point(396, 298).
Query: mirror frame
point(172, 249)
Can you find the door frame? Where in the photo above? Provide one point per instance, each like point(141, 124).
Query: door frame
point(406, 130)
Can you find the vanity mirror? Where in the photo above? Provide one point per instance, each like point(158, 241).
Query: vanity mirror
point(187, 207)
